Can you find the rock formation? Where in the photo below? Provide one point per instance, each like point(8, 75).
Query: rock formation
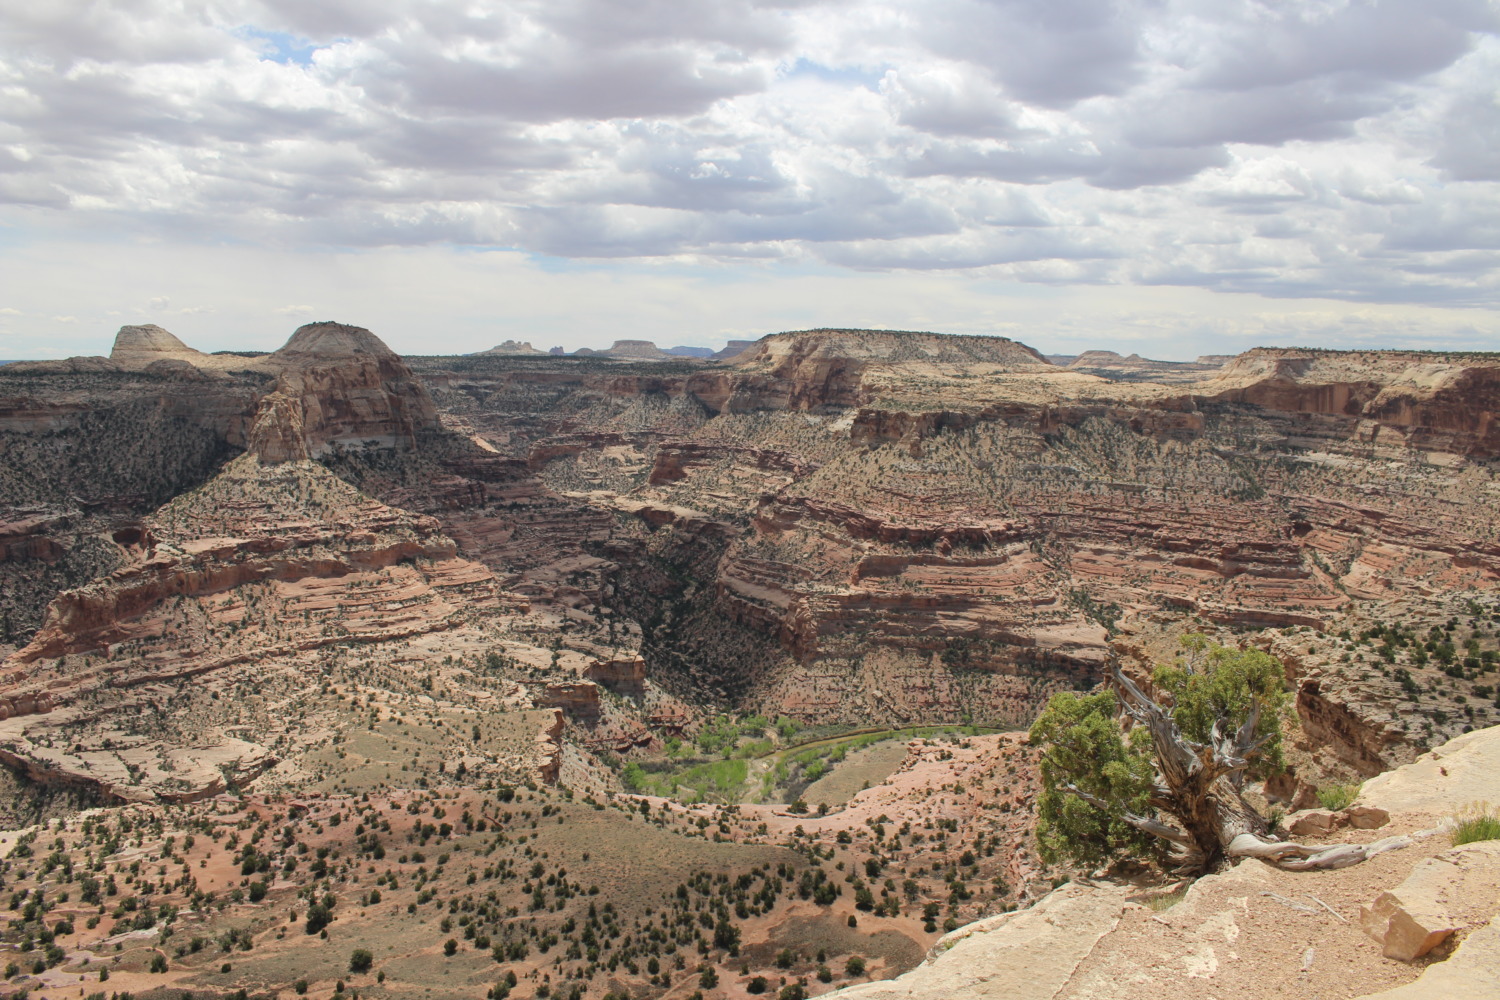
point(339, 386)
point(908, 527)
point(139, 347)
point(732, 349)
point(512, 348)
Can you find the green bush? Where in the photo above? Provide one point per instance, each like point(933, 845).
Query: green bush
point(318, 917)
point(361, 960)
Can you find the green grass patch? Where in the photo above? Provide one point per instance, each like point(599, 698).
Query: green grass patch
point(1168, 900)
point(1482, 826)
point(1336, 797)
point(741, 742)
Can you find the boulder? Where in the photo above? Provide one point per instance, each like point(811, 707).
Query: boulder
point(1443, 894)
point(1367, 817)
point(1472, 971)
point(1406, 926)
point(1314, 822)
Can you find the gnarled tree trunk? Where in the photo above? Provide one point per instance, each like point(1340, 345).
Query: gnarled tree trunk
point(1199, 785)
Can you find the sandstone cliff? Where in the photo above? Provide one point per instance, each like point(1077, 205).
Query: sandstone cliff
point(1391, 400)
point(338, 386)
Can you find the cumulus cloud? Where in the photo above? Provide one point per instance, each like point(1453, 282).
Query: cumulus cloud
point(1338, 148)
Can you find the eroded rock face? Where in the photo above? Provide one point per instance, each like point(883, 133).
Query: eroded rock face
point(912, 507)
point(839, 525)
point(625, 674)
point(579, 699)
point(263, 563)
point(339, 385)
point(1390, 400)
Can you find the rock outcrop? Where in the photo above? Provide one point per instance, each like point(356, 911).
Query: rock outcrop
point(1253, 928)
point(339, 386)
point(512, 348)
point(631, 350)
point(732, 349)
point(1387, 400)
point(139, 347)
point(1026, 955)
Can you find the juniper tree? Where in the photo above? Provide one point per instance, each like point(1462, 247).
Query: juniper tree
point(1125, 774)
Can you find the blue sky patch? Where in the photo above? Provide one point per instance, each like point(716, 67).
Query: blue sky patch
point(868, 78)
point(281, 46)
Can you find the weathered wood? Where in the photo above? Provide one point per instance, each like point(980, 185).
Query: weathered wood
point(1200, 786)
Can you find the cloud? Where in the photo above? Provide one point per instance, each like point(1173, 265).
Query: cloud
point(1343, 148)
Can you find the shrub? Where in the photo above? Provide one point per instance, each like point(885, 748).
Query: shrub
point(855, 966)
point(361, 960)
point(1482, 826)
point(318, 917)
point(1337, 797)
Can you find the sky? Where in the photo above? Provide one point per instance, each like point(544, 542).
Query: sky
point(1169, 177)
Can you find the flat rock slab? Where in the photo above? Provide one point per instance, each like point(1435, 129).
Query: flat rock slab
point(1026, 955)
point(1464, 770)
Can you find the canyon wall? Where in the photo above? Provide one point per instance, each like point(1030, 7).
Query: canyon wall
point(839, 526)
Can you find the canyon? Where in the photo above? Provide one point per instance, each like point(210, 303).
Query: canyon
point(331, 571)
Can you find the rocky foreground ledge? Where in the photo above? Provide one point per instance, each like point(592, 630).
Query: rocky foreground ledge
point(1416, 924)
